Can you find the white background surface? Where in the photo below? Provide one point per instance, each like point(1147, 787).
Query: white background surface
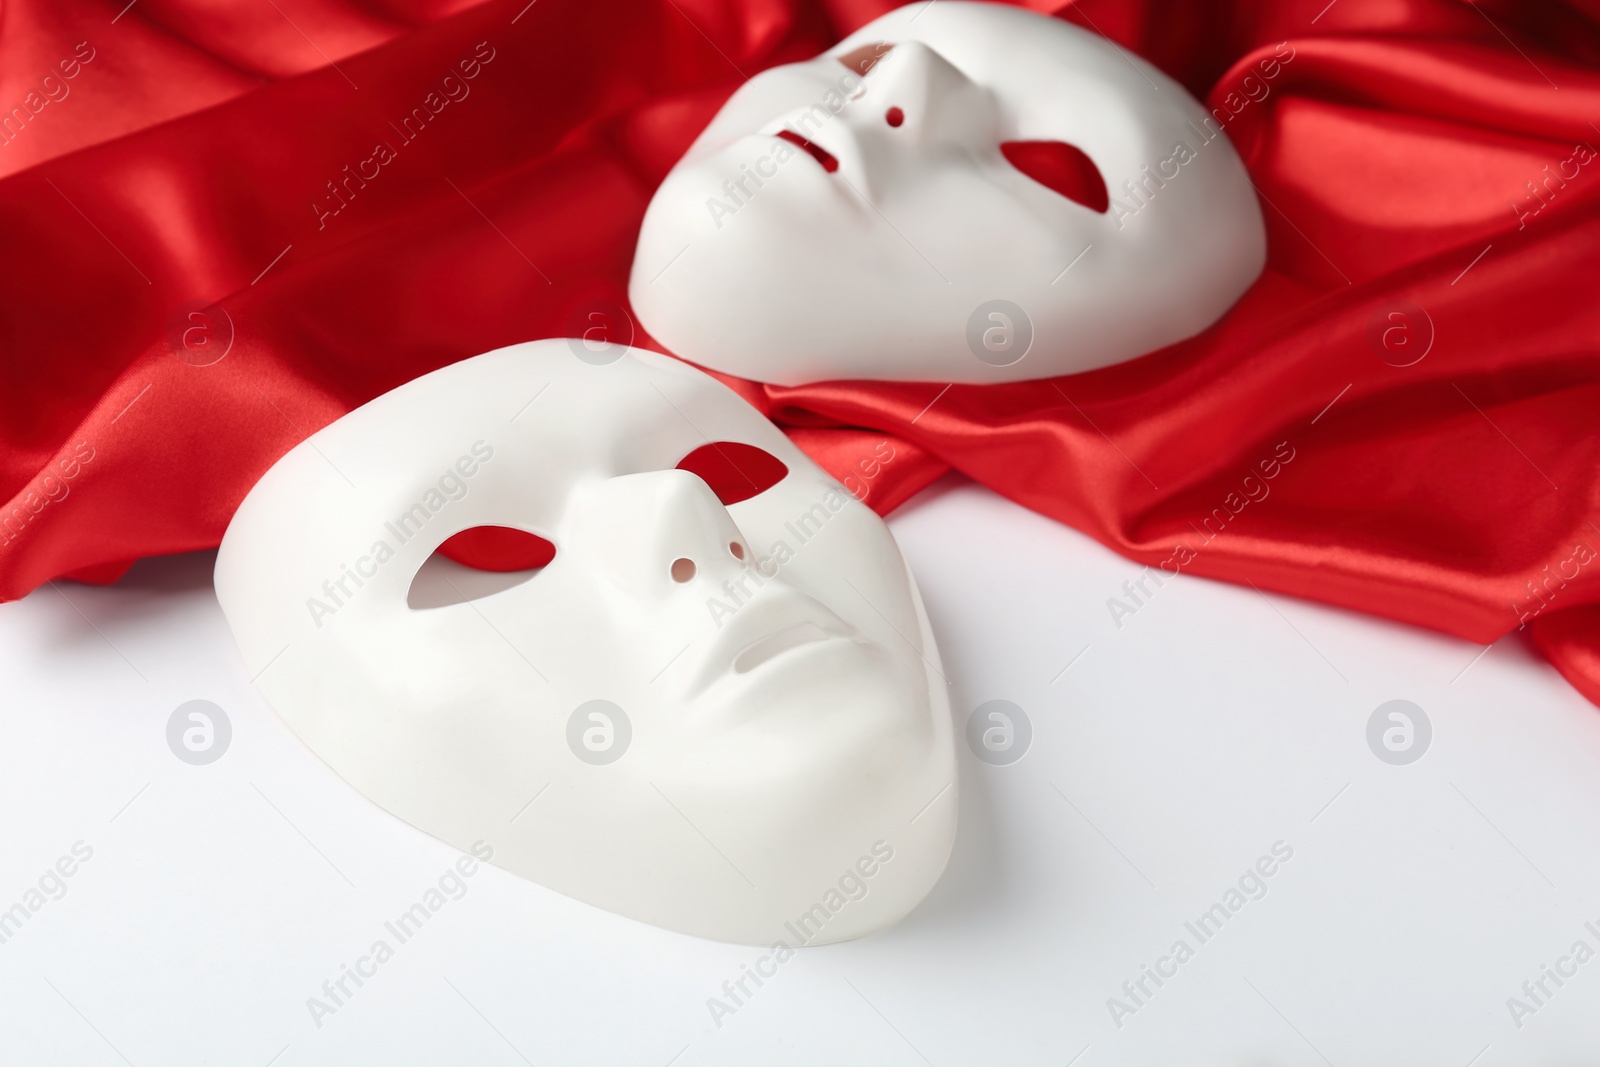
point(1175, 751)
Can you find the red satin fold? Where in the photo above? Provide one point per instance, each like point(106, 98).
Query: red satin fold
point(1427, 170)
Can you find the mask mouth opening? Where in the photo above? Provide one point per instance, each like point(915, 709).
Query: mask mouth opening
point(815, 151)
point(775, 645)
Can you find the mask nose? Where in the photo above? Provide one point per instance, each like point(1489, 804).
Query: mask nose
point(918, 80)
point(915, 105)
point(656, 534)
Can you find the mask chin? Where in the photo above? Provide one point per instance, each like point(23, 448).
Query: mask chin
point(830, 224)
point(712, 667)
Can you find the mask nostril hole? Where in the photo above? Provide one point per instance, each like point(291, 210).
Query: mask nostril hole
point(894, 116)
point(737, 549)
point(682, 569)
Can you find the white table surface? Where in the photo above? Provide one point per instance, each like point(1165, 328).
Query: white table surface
point(1175, 751)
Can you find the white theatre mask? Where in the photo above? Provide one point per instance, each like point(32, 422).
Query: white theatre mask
point(1001, 196)
point(717, 707)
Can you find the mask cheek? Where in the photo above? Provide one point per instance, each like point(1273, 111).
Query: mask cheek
point(579, 621)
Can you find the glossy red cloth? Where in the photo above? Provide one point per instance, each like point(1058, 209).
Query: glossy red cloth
point(1426, 168)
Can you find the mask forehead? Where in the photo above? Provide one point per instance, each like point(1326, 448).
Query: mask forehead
point(888, 260)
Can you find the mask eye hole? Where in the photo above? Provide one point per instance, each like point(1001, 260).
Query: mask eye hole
point(479, 562)
point(734, 470)
point(1061, 168)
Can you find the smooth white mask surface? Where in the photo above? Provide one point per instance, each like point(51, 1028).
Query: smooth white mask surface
point(926, 255)
point(774, 722)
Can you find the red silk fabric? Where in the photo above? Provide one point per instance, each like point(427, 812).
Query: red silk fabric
point(337, 196)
